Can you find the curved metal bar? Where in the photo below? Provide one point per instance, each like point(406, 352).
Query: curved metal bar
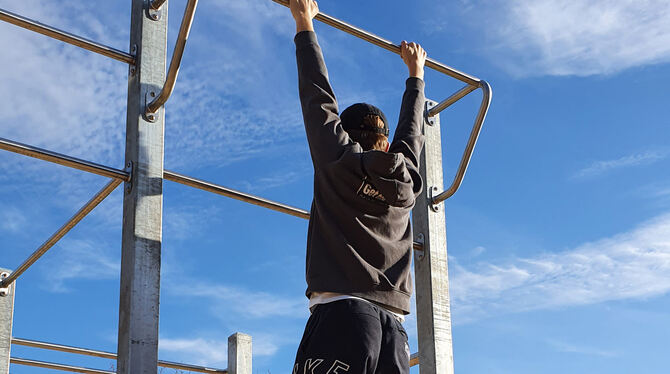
point(470, 147)
point(237, 195)
point(173, 70)
point(54, 366)
point(156, 4)
point(380, 42)
point(109, 355)
point(86, 209)
point(66, 37)
point(61, 159)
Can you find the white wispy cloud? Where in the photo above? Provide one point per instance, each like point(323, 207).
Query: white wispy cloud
point(631, 265)
point(225, 107)
point(601, 167)
point(214, 352)
point(80, 259)
point(274, 180)
point(196, 351)
point(12, 219)
point(570, 37)
point(244, 302)
point(58, 96)
point(579, 37)
point(562, 346)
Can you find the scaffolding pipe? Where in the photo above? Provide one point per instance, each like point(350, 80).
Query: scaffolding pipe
point(237, 195)
point(470, 147)
point(66, 37)
point(173, 70)
point(414, 359)
point(51, 365)
point(241, 196)
point(60, 159)
point(86, 209)
point(109, 355)
point(450, 100)
point(380, 42)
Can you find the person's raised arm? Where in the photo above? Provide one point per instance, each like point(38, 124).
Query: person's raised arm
point(408, 138)
point(319, 106)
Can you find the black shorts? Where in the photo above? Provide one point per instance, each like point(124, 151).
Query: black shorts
point(353, 337)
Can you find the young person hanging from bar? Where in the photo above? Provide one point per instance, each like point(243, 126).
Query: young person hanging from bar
point(359, 242)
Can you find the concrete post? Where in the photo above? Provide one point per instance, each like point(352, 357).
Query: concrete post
point(143, 196)
point(430, 267)
point(6, 320)
point(239, 354)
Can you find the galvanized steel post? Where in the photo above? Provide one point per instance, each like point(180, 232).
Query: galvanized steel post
point(6, 319)
point(239, 354)
point(143, 197)
point(430, 265)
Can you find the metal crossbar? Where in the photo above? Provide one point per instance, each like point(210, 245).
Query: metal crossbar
point(54, 366)
point(66, 37)
point(242, 196)
point(85, 210)
point(110, 355)
point(61, 159)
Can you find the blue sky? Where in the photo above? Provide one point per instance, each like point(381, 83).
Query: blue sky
point(559, 239)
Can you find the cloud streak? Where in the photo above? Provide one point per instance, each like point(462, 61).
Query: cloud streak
point(80, 259)
point(631, 265)
point(205, 352)
point(245, 303)
point(602, 167)
point(573, 37)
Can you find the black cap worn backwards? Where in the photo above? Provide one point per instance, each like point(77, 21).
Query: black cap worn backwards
point(353, 118)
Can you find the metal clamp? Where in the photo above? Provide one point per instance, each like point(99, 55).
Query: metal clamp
point(432, 192)
point(148, 115)
point(4, 291)
point(430, 104)
point(129, 170)
point(419, 253)
point(154, 14)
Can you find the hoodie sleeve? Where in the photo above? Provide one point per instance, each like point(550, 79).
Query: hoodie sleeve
point(325, 135)
point(408, 138)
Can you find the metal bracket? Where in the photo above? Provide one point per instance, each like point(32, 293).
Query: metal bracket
point(133, 67)
point(154, 14)
point(4, 291)
point(129, 169)
point(432, 121)
point(432, 192)
point(148, 98)
point(419, 253)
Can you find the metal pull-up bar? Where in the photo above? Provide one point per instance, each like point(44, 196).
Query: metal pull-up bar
point(473, 83)
point(66, 37)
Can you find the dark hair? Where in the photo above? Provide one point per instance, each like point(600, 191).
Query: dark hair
point(370, 140)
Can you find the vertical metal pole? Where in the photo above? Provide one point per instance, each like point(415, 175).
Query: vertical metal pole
point(6, 320)
point(430, 266)
point(143, 197)
point(239, 354)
